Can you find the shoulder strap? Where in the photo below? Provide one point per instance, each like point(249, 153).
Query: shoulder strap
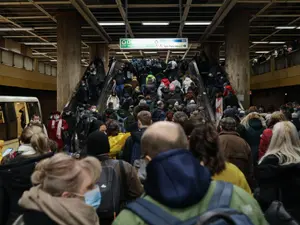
point(151, 214)
point(222, 196)
point(123, 181)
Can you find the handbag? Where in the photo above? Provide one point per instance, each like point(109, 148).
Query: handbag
point(276, 214)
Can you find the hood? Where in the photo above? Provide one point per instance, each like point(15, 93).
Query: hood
point(176, 179)
point(256, 124)
point(187, 79)
point(26, 149)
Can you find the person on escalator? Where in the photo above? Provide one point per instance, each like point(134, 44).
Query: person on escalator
point(120, 80)
point(176, 83)
point(114, 99)
point(186, 84)
point(159, 114)
point(134, 83)
point(230, 100)
point(166, 82)
point(152, 77)
point(159, 91)
point(191, 107)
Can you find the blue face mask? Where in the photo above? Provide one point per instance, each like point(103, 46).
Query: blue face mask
point(93, 197)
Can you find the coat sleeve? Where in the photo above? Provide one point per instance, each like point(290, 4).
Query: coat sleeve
point(134, 186)
point(127, 148)
point(264, 144)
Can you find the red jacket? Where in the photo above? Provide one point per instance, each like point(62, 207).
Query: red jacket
point(265, 140)
point(227, 90)
point(166, 82)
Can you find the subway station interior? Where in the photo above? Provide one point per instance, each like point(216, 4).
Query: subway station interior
point(203, 95)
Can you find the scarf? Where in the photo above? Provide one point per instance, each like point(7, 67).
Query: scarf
point(63, 211)
point(58, 130)
point(26, 149)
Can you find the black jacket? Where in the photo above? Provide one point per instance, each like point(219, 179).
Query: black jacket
point(134, 138)
point(273, 179)
point(14, 180)
point(230, 100)
point(32, 217)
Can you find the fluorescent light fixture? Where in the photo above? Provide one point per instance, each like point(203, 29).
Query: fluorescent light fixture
point(111, 23)
point(222, 59)
point(260, 42)
point(15, 29)
point(39, 53)
point(298, 28)
point(155, 23)
point(53, 60)
point(150, 52)
point(277, 42)
point(285, 27)
point(262, 52)
point(122, 53)
point(39, 43)
point(200, 23)
point(178, 52)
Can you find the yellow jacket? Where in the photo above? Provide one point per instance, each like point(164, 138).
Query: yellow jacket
point(233, 175)
point(116, 143)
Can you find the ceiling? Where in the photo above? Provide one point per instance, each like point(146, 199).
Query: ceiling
point(265, 15)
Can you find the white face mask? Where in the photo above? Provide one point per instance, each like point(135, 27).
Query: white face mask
point(56, 117)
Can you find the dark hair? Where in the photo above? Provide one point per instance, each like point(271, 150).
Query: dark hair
point(112, 128)
point(180, 118)
point(204, 145)
point(192, 123)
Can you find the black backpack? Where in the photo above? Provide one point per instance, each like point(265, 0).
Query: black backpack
point(218, 212)
point(112, 188)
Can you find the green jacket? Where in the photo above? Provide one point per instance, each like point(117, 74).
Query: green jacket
point(241, 201)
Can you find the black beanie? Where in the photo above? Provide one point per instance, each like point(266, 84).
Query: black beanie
point(97, 144)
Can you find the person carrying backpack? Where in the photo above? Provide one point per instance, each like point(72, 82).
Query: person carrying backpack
point(118, 183)
point(132, 147)
point(179, 190)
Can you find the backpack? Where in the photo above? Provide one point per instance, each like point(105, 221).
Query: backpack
point(112, 193)
point(218, 212)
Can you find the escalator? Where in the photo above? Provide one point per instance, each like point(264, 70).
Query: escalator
point(202, 98)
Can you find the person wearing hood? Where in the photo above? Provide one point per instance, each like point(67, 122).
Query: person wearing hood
point(159, 91)
point(150, 77)
point(254, 126)
point(177, 183)
point(176, 83)
point(114, 99)
point(166, 82)
point(132, 148)
point(186, 84)
point(16, 169)
point(64, 192)
point(279, 170)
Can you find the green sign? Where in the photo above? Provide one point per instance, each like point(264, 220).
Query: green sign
point(153, 43)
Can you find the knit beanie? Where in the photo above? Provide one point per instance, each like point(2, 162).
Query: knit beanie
point(97, 144)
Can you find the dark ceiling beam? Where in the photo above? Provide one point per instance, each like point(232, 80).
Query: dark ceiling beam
point(184, 16)
point(124, 17)
point(218, 18)
point(261, 11)
point(90, 19)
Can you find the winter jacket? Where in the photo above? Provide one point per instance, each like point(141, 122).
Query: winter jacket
point(135, 138)
point(233, 175)
point(185, 191)
point(150, 76)
point(252, 136)
point(15, 178)
point(273, 179)
point(191, 107)
point(158, 115)
point(166, 82)
point(238, 152)
point(230, 100)
point(159, 90)
point(265, 140)
point(186, 84)
point(115, 100)
point(117, 143)
point(296, 122)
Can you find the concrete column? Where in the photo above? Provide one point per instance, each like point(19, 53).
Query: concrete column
point(237, 53)
point(212, 51)
point(68, 56)
point(101, 51)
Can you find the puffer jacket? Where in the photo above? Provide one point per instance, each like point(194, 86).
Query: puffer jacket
point(176, 83)
point(186, 84)
point(265, 142)
point(115, 100)
point(159, 92)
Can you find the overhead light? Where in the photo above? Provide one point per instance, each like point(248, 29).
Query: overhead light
point(39, 53)
point(122, 53)
point(178, 52)
point(53, 60)
point(201, 23)
point(276, 42)
point(260, 42)
point(285, 27)
point(155, 23)
point(150, 52)
point(298, 28)
point(15, 29)
point(111, 23)
point(222, 59)
point(39, 43)
point(262, 52)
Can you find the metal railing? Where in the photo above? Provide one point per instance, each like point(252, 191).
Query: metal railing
point(17, 60)
point(281, 62)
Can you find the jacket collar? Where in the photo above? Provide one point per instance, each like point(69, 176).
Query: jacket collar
point(229, 133)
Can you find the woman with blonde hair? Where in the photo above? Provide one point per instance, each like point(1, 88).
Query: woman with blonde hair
point(65, 192)
point(279, 170)
point(267, 134)
point(254, 126)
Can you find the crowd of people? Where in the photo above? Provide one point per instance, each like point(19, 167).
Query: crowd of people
point(155, 157)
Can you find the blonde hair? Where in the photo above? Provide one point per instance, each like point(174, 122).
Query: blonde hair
point(285, 144)
point(254, 115)
point(275, 118)
point(62, 173)
point(34, 136)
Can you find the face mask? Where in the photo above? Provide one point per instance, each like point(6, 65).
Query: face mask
point(93, 197)
point(93, 110)
point(56, 117)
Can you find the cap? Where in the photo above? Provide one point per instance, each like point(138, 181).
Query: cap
point(228, 124)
